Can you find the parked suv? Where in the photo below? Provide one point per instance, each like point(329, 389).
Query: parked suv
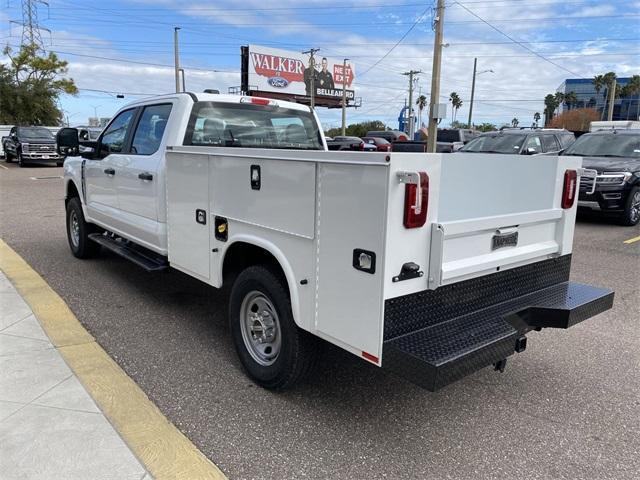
point(453, 139)
point(614, 155)
point(521, 141)
point(350, 143)
point(31, 144)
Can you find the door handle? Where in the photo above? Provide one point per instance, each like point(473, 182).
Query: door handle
point(109, 171)
point(145, 176)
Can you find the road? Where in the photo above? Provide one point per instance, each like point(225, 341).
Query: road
point(568, 407)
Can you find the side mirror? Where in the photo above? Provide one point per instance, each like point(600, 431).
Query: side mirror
point(67, 142)
point(531, 151)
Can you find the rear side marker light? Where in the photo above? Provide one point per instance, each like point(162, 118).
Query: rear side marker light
point(416, 202)
point(371, 358)
point(569, 189)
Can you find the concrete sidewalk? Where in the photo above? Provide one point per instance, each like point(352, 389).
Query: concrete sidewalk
point(50, 428)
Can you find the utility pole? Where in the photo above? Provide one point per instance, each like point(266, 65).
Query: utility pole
point(473, 90)
point(312, 64)
point(177, 57)
point(612, 99)
point(184, 88)
point(31, 28)
point(410, 74)
point(435, 77)
point(344, 97)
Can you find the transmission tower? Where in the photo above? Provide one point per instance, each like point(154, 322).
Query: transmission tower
point(31, 29)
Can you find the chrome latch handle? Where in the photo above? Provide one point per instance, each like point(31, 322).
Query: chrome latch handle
point(412, 178)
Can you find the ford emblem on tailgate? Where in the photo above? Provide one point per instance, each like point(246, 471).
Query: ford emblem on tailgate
point(504, 238)
point(278, 82)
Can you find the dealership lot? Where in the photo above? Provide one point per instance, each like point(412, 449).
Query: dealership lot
point(568, 407)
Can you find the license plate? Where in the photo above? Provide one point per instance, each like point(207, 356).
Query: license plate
point(45, 157)
point(501, 240)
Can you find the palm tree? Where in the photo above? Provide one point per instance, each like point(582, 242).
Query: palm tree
point(536, 118)
point(456, 103)
point(608, 80)
point(570, 99)
point(631, 89)
point(550, 105)
point(515, 122)
point(421, 102)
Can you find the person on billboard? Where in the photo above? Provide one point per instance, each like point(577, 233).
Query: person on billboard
point(310, 72)
point(325, 79)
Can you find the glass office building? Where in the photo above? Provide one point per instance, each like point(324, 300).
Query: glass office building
point(627, 108)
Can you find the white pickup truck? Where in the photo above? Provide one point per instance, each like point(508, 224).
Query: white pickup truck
point(429, 265)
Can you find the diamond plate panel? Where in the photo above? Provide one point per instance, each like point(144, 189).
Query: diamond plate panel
point(423, 309)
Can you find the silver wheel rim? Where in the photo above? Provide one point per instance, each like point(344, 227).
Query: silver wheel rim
point(635, 207)
point(260, 328)
point(74, 229)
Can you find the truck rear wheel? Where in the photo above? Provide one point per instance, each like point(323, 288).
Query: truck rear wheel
point(631, 215)
point(274, 351)
point(78, 231)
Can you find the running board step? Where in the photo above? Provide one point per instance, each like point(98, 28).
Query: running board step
point(439, 354)
point(148, 260)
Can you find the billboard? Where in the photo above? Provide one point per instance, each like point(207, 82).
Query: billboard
point(289, 74)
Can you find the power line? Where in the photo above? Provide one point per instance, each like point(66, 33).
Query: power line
point(397, 43)
point(517, 42)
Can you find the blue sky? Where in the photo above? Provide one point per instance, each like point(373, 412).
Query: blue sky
point(127, 47)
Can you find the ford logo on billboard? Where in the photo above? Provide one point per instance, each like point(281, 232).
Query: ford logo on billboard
point(278, 82)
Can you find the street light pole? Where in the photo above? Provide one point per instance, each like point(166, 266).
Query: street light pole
point(473, 87)
point(344, 97)
point(435, 77)
point(177, 57)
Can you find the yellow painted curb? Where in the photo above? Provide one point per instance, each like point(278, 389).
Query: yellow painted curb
point(632, 240)
point(164, 451)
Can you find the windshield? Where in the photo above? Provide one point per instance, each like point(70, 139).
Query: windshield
point(606, 145)
point(252, 126)
point(35, 133)
point(495, 143)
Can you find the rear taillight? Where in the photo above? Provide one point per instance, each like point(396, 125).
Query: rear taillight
point(416, 202)
point(362, 146)
point(570, 188)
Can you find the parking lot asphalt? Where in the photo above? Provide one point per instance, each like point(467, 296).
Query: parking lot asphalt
point(568, 407)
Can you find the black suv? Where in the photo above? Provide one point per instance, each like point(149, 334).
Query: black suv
point(615, 157)
point(521, 141)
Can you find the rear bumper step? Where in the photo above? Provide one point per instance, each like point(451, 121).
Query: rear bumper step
point(442, 353)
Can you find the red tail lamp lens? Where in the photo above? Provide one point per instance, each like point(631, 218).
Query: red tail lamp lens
point(416, 202)
point(570, 188)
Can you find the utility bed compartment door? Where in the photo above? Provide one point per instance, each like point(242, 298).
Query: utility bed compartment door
point(498, 212)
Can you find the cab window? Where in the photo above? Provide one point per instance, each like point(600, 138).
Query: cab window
point(534, 144)
point(150, 129)
point(116, 133)
point(550, 143)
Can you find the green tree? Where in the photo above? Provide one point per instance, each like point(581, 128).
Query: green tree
point(358, 129)
point(570, 99)
point(486, 127)
point(30, 86)
point(456, 103)
point(550, 105)
point(421, 102)
point(598, 83)
point(515, 122)
point(536, 118)
point(630, 89)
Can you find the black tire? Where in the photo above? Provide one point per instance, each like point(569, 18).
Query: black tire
point(21, 162)
point(7, 157)
point(81, 246)
point(298, 351)
point(631, 215)
point(59, 164)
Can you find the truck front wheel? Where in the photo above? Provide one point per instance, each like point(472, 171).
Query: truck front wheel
point(21, 162)
point(274, 351)
point(78, 231)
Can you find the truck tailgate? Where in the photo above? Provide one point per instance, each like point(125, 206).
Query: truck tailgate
point(498, 212)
